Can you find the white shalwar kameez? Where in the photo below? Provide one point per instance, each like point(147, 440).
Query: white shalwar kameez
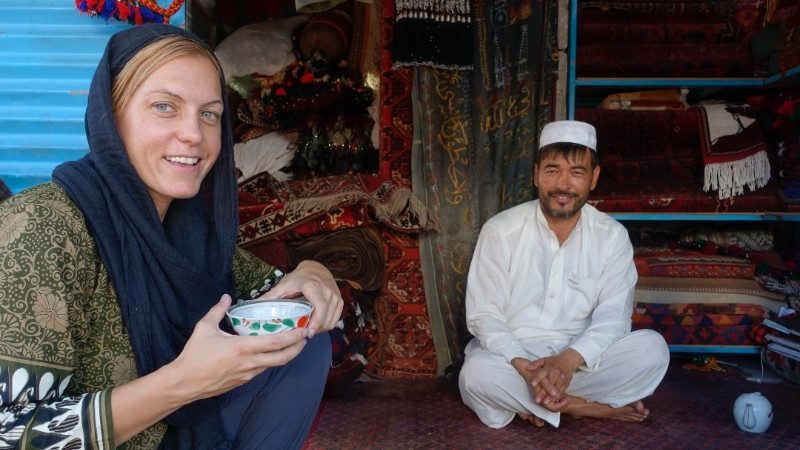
point(529, 297)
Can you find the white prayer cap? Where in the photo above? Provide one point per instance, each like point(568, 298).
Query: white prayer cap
point(570, 131)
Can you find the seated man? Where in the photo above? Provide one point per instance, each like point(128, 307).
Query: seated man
point(549, 301)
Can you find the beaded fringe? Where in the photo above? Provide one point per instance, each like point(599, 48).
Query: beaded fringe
point(436, 33)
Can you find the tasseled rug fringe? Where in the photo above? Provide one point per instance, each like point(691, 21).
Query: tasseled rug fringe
point(730, 178)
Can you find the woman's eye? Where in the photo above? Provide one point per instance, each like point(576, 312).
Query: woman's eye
point(163, 107)
point(211, 116)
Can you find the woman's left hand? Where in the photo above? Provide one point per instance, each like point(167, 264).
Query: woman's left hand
point(316, 283)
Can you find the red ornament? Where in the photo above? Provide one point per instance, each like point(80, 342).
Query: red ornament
point(306, 78)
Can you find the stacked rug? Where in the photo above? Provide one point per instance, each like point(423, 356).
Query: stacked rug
point(701, 286)
point(657, 161)
point(359, 227)
point(660, 155)
point(661, 39)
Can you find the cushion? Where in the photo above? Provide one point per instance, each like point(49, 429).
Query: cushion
point(698, 323)
point(707, 291)
point(693, 265)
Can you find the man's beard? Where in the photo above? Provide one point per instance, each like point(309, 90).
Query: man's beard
point(544, 201)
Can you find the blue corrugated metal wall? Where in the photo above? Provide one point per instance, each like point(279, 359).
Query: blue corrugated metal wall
point(48, 53)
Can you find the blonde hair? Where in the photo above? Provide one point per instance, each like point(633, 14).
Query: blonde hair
point(148, 60)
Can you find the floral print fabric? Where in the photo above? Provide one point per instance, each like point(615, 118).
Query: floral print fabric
point(63, 345)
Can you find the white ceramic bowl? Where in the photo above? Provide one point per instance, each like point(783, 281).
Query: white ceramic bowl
point(255, 317)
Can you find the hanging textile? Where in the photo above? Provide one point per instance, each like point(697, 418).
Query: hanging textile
point(436, 33)
point(135, 12)
point(477, 133)
point(405, 348)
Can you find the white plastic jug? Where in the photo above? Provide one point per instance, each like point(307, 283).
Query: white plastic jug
point(752, 412)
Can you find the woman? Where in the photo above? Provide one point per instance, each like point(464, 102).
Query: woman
point(116, 277)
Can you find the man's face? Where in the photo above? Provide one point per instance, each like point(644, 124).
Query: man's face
point(563, 185)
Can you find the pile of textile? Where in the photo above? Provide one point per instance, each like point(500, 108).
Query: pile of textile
point(671, 150)
point(671, 161)
point(339, 222)
point(300, 108)
point(707, 285)
point(653, 38)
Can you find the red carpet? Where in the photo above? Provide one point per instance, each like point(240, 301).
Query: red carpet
point(690, 410)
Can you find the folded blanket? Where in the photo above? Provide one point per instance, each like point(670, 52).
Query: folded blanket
point(269, 208)
point(354, 254)
point(734, 154)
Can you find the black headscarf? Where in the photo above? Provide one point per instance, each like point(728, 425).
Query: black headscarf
point(166, 275)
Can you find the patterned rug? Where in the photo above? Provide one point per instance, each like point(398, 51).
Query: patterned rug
point(269, 208)
point(405, 344)
point(700, 324)
point(668, 176)
point(732, 162)
point(690, 409)
point(406, 348)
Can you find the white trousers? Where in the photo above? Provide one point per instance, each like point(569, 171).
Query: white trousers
point(628, 371)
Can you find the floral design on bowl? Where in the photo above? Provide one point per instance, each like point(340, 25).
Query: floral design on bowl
point(256, 317)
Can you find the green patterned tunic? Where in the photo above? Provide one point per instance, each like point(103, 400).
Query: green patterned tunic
point(63, 345)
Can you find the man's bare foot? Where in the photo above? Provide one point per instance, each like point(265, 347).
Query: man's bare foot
point(635, 412)
point(533, 420)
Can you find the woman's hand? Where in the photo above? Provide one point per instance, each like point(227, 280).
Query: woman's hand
point(316, 283)
point(212, 362)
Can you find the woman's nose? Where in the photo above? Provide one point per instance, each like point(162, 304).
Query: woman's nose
point(189, 130)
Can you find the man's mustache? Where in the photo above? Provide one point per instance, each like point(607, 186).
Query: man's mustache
point(559, 192)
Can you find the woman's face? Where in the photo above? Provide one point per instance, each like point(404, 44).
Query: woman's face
point(172, 127)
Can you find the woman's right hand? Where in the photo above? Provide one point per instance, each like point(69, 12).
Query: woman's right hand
point(211, 363)
point(214, 362)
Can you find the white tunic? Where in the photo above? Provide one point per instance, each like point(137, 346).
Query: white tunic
point(529, 297)
point(526, 294)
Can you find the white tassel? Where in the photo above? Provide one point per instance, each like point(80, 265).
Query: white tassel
point(730, 178)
